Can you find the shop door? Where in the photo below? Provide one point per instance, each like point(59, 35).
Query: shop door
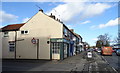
point(55, 50)
point(65, 50)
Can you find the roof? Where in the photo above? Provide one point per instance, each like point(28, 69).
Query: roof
point(53, 17)
point(77, 35)
point(13, 27)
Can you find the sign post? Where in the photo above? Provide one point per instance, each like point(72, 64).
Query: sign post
point(36, 41)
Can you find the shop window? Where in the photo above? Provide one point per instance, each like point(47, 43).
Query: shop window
point(11, 46)
point(65, 48)
point(5, 34)
point(55, 48)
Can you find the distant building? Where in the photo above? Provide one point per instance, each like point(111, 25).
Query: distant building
point(41, 37)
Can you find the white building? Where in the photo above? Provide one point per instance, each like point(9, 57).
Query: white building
point(41, 37)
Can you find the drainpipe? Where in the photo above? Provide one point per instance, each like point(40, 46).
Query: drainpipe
point(15, 42)
point(37, 48)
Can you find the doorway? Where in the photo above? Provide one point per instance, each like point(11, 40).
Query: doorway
point(55, 46)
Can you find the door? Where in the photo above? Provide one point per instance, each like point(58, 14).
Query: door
point(65, 50)
point(55, 50)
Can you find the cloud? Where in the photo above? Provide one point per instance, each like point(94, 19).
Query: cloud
point(7, 18)
point(1, 26)
point(60, 0)
point(85, 22)
point(93, 27)
point(25, 19)
point(76, 11)
point(94, 39)
point(70, 26)
point(95, 9)
point(110, 23)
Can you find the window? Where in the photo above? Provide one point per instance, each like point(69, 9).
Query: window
point(24, 32)
point(65, 48)
point(5, 34)
point(65, 32)
point(55, 48)
point(11, 46)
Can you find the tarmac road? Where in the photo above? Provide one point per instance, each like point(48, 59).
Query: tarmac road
point(75, 64)
point(113, 61)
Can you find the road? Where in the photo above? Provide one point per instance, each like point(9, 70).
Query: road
point(75, 64)
point(113, 61)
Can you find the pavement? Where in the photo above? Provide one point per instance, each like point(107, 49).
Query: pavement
point(75, 64)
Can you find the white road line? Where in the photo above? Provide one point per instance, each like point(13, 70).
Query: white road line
point(90, 67)
point(108, 63)
point(105, 60)
point(96, 66)
point(105, 69)
point(114, 70)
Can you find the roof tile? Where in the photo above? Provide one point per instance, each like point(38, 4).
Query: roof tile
point(12, 27)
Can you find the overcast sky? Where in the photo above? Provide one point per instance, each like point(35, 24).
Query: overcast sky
point(89, 19)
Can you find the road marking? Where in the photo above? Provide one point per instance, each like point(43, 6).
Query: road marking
point(108, 63)
point(105, 60)
point(105, 69)
point(90, 67)
point(114, 70)
point(96, 65)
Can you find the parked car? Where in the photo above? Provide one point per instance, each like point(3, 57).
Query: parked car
point(90, 50)
point(114, 50)
point(118, 52)
point(99, 50)
point(107, 51)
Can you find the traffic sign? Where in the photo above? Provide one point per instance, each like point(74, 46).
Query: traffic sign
point(34, 41)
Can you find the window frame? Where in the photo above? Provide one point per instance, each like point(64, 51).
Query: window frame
point(24, 32)
point(6, 34)
point(11, 46)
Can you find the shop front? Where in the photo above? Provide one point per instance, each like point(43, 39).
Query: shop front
point(59, 49)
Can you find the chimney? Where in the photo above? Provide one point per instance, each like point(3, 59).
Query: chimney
point(57, 19)
point(41, 10)
point(52, 16)
point(72, 30)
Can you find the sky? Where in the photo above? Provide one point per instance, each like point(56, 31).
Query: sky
point(88, 19)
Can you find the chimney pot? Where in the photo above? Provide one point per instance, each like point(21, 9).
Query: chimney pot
point(51, 14)
point(41, 10)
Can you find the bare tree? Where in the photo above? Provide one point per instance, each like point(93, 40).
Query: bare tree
point(116, 40)
point(105, 39)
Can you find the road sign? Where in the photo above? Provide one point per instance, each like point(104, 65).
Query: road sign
point(34, 41)
point(89, 54)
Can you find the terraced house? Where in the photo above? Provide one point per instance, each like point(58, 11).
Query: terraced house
point(41, 37)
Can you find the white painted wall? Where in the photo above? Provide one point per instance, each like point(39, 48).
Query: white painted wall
point(5, 45)
point(40, 27)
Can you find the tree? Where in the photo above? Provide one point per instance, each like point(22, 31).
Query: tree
point(116, 40)
point(103, 40)
point(99, 44)
point(107, 43)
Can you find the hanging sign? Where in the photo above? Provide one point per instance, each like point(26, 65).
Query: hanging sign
point(34, 41)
